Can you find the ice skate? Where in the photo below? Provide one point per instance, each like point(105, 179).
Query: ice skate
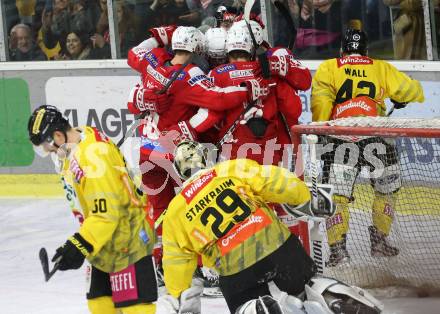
point(379, 244)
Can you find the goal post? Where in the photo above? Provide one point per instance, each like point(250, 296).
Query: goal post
point(386, 177)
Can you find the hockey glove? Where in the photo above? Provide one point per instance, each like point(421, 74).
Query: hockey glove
point(188, 302)
point(257, 89)
point(163, 34)
point(72, 254)
point(141, 99)
point(278, 65)
point(399, 105)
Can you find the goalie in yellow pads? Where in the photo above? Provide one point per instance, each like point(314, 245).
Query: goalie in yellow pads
point(222, 215)
point(115, 237)
point(351, 86)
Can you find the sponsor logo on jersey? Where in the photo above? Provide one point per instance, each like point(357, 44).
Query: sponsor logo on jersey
point(151, 58)
point(198, 78)
point(353, 60)
point(76, 170)
point(241, 73)
point(226, 68)
point(353, 104)
point(200, 236)
point(190, 191)
point(156, 75)
point(243, 231)
point(181, 75)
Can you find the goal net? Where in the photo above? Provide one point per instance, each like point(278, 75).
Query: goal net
point(386, 177)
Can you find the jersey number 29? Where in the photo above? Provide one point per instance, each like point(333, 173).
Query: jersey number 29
point(228, 202)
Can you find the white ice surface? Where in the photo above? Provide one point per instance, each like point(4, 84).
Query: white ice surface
point(26, 225)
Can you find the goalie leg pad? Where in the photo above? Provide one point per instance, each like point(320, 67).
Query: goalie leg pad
point(337, 225)
point(383, 212)
point(337, 297)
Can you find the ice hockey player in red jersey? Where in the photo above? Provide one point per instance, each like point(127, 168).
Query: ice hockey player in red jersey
point(262, 120)
point(174, 112)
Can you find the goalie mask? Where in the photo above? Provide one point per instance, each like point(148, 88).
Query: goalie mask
point(190, 157)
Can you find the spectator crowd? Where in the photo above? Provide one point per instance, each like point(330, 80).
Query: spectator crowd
point(79, 29)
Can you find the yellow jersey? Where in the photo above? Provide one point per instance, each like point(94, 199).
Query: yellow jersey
point(117, 229)
point(222, 214)
point(339, 80)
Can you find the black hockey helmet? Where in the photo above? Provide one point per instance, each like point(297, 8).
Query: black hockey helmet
point(354, 41)
point(44, 121)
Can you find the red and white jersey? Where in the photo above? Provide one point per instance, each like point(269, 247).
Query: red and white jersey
point(233, 74)
point(191, 91)
point(297, 77)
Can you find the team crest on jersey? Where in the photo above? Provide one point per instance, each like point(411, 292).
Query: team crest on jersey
point(191, 190)
point(353, 60)
point(225, 68)
point(74, 167)
point(151, 58)
point(241, 73)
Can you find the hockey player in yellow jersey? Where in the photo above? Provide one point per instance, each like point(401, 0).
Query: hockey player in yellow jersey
point(114, 237)
point(222, 215)
point(351, 86)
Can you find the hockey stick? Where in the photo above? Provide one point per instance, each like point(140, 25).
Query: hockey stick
point(289, 20)
point(44, 260)
point(174, 77)
point(312, 139)
point(258, 51)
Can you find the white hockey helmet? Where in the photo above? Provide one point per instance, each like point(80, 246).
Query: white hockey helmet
point(238, 38)
point(257, 30)
point(333, 296)
point(215, 45)
point(189, 157)
point(188, 38)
